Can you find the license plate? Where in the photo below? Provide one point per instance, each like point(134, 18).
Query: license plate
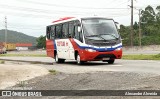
point(106, 58)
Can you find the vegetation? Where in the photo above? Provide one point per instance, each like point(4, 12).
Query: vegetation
point(17, 37)
point(41, 42)
point(52, 72)
point(142, 57)
point(150, 25)
point(2, 62)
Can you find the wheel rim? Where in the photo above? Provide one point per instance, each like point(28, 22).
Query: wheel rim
point(78, 59)
point(56, 58)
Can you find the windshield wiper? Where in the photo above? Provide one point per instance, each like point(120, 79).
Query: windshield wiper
point(97, 36)
point(111, 35)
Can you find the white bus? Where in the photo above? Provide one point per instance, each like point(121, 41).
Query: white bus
point(83, 39)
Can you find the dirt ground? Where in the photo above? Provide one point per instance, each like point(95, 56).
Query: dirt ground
point(12, 74)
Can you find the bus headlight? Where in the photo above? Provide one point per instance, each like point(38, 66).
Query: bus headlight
point(90, 50)
point(118, 49)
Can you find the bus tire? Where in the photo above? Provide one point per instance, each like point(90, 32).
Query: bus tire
point(79, 62)
point(57, 60)
point(111, 61)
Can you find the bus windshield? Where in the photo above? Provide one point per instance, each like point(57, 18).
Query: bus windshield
point(99, 28)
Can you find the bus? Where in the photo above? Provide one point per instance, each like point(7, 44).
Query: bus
point(83, 39)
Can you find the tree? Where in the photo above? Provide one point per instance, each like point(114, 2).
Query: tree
point(150, 25)
point(135, 26)
point(148, 15)
point(124, 32)
point(158, 14)
point(41, 42)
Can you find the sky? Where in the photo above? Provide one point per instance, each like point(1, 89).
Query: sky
point(32, 16)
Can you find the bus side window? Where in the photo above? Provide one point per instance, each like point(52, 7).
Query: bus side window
point(58, 31)
point(48, 32)
point(71, 29)
point(52, 32)
point(77, 35)
point(81, 37)
point(65, 30)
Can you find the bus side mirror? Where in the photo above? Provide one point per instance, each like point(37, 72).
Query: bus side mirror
point(117, 25)
point(79, 29)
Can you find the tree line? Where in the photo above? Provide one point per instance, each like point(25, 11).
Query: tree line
point(150, 28)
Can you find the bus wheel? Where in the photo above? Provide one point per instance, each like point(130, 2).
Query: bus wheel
point(57, 60)
point(111, 61)
point(79, 60)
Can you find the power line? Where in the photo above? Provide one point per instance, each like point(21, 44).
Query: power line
point(25, 28)
point(40, 11)
point(47, 17)
point(46, 11)
point(122, 3)
point(56, 5)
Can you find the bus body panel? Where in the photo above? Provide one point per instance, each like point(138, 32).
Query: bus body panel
point(67, 48)
point(50, 48)
point(100, 52)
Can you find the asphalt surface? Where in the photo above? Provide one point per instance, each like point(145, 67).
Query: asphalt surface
point(123, 75)
point(137, 66)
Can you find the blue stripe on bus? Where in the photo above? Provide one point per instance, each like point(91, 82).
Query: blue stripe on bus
point(54, 44)
point(99, 49)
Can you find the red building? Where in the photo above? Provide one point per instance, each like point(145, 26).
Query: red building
point(23, 46)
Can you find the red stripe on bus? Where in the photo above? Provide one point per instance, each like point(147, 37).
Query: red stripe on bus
point(62, 19)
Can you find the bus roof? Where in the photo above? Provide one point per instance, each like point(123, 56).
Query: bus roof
point(65, 19)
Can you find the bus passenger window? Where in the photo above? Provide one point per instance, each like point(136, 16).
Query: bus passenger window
point(59, 31)
point(65, 30)
point(52, 32)
point(77, 35)
point(80, 37)
point(71, 29)
point(48, 32)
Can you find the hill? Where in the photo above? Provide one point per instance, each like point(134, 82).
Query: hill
point(17, 37)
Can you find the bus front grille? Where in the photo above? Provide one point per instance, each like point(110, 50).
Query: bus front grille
point(105, 56)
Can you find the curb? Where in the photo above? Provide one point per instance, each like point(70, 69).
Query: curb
point(33, 62)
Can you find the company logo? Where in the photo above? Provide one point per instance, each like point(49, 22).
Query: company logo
point(6, 93)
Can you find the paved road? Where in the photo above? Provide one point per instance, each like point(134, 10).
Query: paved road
point(138, 66)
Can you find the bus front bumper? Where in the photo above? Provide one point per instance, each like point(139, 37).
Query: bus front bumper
point(87, 55)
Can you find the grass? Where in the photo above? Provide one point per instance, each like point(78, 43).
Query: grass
point(22, 83)
point(142, 57)
point(24, 55)
point(2, 62)
point(52, 71)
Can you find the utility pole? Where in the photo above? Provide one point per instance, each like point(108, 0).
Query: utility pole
point(131, 23)
point(5, 29)
point(140, 27)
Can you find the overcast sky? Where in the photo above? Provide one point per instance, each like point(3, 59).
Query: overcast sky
point(32, 16)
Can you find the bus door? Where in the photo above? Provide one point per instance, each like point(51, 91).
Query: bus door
point(49, 42)
point(65, 49)
point(76, 35)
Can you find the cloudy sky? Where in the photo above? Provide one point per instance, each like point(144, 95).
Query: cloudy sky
point(32, 16)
